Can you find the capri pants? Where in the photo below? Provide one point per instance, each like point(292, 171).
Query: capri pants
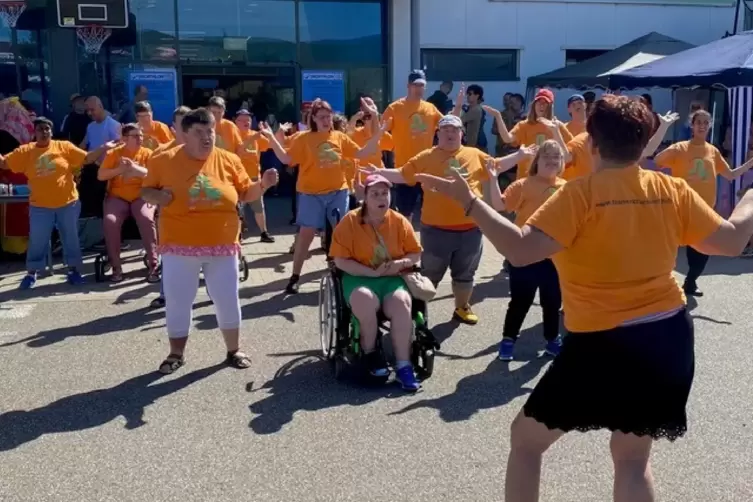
point(181, 283)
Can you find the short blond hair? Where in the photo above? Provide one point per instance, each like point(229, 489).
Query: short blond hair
point(547, 146)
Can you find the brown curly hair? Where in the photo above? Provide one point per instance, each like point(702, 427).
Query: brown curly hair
point(620, 128)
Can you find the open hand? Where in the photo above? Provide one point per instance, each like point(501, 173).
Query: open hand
point(368, 106)
point(669, 118)
point(265, 130)
point(269, 179)
point(368, 169)
point(491, 167)
point(455, 186)
point(549, 124)
point(111, 145)
point(528, 151)
point(491, 110)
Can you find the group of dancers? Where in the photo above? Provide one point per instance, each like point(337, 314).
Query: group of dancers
point(593, 231)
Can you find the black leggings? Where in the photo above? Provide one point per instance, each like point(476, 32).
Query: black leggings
point(696, 264)
point(524, 281)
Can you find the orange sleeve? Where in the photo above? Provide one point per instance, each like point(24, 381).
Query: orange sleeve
point(567, 136)
point(18, 159)
point(342, 240)
point(513, 196)
point(720, 163)
point(297, 149)
point(667, 158)
point(237, 140)
point(111, 160)
point(699, 220)
point(518, 134)
point(389, 116)
point(414, 166)
point(241, 180)
point(409, 239)
point(386, 143)
point(74, 155)
point(562, 215)
point(349, 147)
point(263, 143)
point(152, 178)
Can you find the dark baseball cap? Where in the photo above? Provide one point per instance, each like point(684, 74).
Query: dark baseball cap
point(575, 97)
point(417, 77)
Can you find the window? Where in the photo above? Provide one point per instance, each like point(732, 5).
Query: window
point(341, 33)
point(747, 16)
point(259, 31)
point(575, 56)
point(470, 65)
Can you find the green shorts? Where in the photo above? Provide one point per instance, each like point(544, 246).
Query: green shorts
point(380, 286)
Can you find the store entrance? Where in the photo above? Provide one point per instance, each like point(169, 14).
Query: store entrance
point(268, 92)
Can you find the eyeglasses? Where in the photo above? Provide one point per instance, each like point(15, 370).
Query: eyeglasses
point(140, 136)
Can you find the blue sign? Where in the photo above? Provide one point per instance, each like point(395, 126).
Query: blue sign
point(326, 85)
point(162, 85)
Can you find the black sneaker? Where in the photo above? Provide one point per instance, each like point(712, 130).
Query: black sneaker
point(292, 287)
point(265, 237)
point(692, 290)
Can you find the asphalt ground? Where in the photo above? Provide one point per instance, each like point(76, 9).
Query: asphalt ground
point(84, 416)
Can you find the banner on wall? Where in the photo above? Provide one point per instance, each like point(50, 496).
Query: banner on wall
point(326, 85)
point(162, 85)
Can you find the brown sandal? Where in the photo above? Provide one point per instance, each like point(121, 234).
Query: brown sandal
point(238, 360)
point(171, 364)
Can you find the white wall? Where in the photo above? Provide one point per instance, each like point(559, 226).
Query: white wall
point(542, 31)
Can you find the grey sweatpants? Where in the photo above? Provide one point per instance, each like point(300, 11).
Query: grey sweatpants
point(460, 251)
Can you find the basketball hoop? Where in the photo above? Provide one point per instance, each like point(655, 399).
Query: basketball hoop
point(93, 37)
point(11, 11)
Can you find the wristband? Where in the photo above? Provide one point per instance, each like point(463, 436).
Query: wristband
point(470, 206)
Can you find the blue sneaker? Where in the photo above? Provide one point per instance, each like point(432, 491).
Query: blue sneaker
point(74, 278)
point(407, 379)
point(554, 347)
point(28, 282)
point(506, 346)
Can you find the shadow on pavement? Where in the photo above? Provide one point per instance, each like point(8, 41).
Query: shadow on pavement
point(496, 386)
point(717, 265)
point(94, 408)
point(306, 383)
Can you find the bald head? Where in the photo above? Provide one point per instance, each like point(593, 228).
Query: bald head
point(95, 109)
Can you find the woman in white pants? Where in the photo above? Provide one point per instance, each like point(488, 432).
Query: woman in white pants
point(198, 187)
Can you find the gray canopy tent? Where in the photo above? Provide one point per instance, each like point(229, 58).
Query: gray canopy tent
point(598, 71)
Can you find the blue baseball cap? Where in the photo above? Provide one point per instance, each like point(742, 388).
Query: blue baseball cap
point(417, 77)
point(575, 97)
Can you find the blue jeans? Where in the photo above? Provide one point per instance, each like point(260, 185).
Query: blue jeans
point(315, 210)
point(41, 222)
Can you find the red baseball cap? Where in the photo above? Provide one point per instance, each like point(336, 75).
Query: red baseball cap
point(546, 95)
point(375, 179)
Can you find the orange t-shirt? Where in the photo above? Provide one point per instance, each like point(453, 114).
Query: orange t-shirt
point(361, 136)
point(524, 197)
point(165, 147)
point(356, 240)
point(159, 135)
point(439, 210)
point(620, 230)
point(205, 194)
point(413, 126)
point(581, 161)
point(575, 128)
point(527, 134)
point(228, 136)
point(251, 155)
point(696, 164)
point(126, 189)
point(325, 161)
point(49, 171)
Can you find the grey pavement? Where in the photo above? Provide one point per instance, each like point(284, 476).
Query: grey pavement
point(84, 417)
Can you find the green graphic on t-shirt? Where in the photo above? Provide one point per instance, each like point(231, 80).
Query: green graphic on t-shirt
point(699, 170)
point(540, 138)
point(550, 191)
point(203, 185)
point(327, 155)
point(380, 255)
point(150, 143)
point(44, 166)
point(454, 165)
point(417, 124)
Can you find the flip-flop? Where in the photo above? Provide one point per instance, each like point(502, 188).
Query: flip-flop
point(171, 364)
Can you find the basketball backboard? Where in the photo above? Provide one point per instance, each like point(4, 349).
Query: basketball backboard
point(104, 13)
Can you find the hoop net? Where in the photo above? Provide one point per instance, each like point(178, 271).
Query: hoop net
point(93, 37)
point(11, 11)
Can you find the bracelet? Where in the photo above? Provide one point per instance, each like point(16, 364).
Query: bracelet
point(470, 206)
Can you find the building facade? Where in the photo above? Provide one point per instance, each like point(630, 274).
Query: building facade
point(261, 49)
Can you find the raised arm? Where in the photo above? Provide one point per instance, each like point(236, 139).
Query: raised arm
point(457, 110)
point(279, 150)
point(495, 193)
point(665, 122)
point(504, 134)
point(94, 155)
point(725, 171)
point(377, 128)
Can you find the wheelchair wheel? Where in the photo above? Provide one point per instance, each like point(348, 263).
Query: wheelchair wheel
point(328, 320)
point(101, 267)
point(243, 269)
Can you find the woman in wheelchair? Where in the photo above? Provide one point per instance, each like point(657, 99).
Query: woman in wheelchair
point(123, 169)
point(373, 246)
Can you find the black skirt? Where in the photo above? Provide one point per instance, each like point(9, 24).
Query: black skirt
point(634, 379)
